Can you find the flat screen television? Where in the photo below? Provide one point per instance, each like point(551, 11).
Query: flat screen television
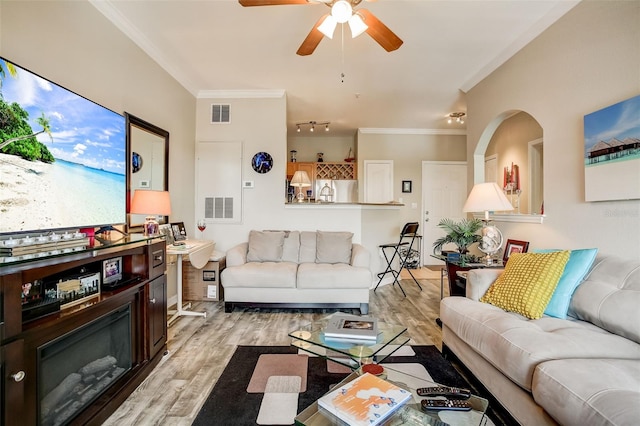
point(62, 157)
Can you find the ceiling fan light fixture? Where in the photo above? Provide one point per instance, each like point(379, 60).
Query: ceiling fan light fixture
point(341, 11)
point(328, 26)
point(357, 25)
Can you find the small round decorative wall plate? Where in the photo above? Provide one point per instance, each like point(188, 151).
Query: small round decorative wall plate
point(262, 162)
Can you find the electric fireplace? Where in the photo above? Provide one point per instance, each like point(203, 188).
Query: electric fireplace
point(79, 366)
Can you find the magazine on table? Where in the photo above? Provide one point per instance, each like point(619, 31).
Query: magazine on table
point(342, 326)
point(366, 400)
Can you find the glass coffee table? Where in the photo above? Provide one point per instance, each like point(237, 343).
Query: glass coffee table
point(350, 353)
point(409, 414)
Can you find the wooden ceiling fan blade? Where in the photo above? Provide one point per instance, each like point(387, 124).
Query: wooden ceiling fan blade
point(249, 3)
point(380, 32)
point(313, 39)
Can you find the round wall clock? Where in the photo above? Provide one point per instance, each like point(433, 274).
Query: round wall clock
point(262, 162)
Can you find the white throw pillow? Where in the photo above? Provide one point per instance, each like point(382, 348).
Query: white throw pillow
point(265, 246)
point(333, 247)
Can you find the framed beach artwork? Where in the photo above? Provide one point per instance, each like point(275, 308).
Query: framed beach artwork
point(612, 152)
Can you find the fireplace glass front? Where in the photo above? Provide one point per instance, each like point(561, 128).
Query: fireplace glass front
point(78, 367)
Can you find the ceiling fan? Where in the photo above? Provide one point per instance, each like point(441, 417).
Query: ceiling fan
point(360, 20)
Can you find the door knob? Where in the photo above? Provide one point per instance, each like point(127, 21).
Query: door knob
point(18, 377)
point(152, 300)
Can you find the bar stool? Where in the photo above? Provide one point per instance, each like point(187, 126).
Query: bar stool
point(409, 230)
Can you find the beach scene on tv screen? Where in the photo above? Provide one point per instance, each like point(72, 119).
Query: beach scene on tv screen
point(62, 157)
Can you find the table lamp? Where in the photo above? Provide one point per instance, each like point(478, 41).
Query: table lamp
point(300, 179)
point(486, 197)
point(151, 203)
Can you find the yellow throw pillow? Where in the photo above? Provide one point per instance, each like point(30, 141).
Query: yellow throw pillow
point(527, 283)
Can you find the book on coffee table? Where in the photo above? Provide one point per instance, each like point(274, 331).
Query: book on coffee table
point(342, 326)
point(366, 400)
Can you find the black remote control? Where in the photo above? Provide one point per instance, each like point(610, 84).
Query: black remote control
point(445, 404)
point(449, 392)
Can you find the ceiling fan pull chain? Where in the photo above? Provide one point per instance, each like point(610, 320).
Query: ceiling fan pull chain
point(342, 53)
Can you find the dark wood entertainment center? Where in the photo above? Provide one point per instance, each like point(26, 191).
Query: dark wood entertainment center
point(142, 297)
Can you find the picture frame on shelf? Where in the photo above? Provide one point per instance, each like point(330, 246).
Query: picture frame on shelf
point(406, 186)
point(167, 231)
point(179, 231)
point(514, 246)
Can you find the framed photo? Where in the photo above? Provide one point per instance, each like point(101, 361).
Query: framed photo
point(514, 246)
point(406, 186)
point(167, 232)
point(179, 233)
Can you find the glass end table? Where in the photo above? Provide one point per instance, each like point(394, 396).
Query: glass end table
point(350, 353)
point(409, 414)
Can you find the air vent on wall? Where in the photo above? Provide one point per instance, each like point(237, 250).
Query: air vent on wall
point(220, 113)
point(218, 207)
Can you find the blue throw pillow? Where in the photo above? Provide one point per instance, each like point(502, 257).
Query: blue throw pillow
point(579, 263)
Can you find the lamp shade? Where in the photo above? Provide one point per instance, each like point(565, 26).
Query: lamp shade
point(357, 25)
point(486, 197)
point(327, 28)
point(151, 202)
point(300, 179)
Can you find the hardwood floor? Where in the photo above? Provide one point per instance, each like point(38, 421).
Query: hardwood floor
point(199, 348)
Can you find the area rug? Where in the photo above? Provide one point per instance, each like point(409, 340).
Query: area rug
point(229, 403)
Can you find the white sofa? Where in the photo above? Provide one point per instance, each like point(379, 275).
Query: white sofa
point(582, 370)
point(297, 269)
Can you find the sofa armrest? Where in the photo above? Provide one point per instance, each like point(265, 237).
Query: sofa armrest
point(360, 256)
point(237, 255)
point(479, 281)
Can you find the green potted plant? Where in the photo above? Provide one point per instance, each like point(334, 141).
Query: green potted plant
point(462, 234)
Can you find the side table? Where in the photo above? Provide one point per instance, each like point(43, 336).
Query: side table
point(199, 252)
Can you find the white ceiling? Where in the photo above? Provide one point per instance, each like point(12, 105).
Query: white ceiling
point(219, 47)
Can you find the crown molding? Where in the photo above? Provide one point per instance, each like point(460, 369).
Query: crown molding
point(240, 94)
point(401, 131)
point(123, 24)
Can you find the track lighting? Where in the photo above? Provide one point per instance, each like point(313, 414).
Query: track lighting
point(457, 116)
point(313, 125)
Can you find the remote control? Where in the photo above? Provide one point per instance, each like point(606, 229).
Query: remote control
point(444, 404)
point(449, 392)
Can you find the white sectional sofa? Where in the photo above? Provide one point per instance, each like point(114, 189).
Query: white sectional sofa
point(297, 269)
point(582, 370)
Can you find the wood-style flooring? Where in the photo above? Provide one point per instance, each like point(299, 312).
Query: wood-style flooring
point(199, 348)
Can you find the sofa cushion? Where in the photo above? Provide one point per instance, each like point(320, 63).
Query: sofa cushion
point(291, 246)
point(333, 247)
point(307, 247)
point(579, 263)
point(527, 283)
point(261, 274)
point(332, 275)
point(265, 246)
point(609, 297)
point(516, 345)
point(589, 391)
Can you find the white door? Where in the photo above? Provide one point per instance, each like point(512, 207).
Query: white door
point(378, 181)
point(444, 191)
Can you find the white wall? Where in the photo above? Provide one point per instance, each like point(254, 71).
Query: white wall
point(586, 61)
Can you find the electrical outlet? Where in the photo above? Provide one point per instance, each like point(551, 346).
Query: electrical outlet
point(247, 184)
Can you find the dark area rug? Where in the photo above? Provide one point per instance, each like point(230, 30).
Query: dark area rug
point(230, 404)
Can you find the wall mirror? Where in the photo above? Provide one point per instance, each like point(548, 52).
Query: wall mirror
point(147, 162)
point(514, 142)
